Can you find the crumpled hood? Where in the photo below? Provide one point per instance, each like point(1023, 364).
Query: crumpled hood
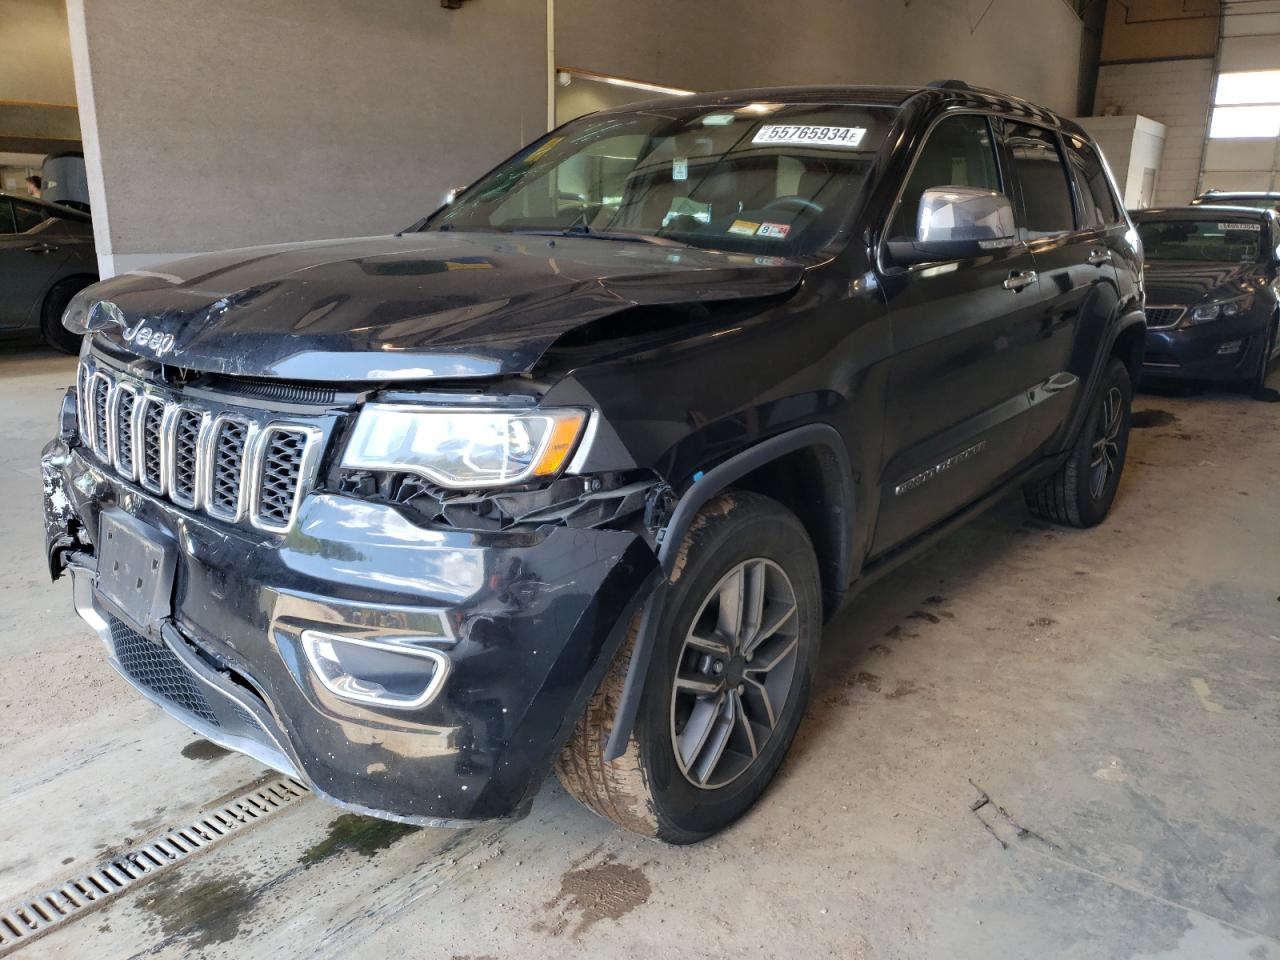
point(1176, 283)
point(424, 305)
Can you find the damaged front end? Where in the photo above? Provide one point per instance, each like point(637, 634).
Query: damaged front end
point(410, 651)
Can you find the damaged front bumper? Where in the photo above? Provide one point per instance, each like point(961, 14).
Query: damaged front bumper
point(524, 624)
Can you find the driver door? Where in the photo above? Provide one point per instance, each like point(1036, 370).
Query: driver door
point(963, 332)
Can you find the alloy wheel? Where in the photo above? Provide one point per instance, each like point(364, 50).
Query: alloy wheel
point(734, 673)
point(1105, 457)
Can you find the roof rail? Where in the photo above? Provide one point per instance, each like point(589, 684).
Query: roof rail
point(950, 85)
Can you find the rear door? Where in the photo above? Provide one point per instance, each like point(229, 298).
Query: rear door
point(1069, 238)
point(966, 349)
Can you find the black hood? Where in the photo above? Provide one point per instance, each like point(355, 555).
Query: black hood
point(420, 306)
point(1179, 283)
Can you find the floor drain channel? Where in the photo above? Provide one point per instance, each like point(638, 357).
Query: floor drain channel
point(24, 920)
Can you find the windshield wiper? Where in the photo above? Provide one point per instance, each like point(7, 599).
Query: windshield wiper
point(582, 230)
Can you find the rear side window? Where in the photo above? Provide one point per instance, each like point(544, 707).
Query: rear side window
point(960, 152)
point(28, 216)
point(1046, 196)
point(1098, 206)
point(6, 217)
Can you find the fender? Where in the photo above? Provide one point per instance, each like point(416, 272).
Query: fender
point(669, 538)
point(1125, 322)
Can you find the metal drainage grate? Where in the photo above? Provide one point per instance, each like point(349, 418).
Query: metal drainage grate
point(24, 920)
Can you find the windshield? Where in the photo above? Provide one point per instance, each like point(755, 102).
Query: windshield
point(1202, 240)
point(777, 179)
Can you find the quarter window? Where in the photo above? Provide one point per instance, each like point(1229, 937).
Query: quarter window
point(1046, 196)
point(960, 152)
point(6, 217)
point(1098, 205)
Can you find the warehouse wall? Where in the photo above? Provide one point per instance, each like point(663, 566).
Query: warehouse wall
point(714, 44)
point(1176, 93)
point(212, 125)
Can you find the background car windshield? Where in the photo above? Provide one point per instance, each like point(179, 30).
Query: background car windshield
point(1218, 241)
point(769, 178)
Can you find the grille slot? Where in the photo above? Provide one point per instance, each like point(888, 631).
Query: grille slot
point(1164, 316)
point(236, 468)
point(126, 403)
point(155, 667)
point(151, 473)
point(184, 466)
point(229, 440)
point(100, 394)
point(278, 479)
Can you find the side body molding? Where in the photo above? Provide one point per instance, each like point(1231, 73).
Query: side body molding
point(693, 500)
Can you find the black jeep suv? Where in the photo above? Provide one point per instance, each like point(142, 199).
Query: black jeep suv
point(570, 473)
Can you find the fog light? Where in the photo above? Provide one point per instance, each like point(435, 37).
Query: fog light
point(394, 672)
point(1230, 347)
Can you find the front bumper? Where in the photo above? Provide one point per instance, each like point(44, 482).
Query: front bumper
point(1194, 352)
point(528, 620)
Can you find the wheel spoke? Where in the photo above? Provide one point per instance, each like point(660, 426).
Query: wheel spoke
point(753, 605)
point(698, 685)
point(730, 599)
point(755, 690)
point(697, 730)
point(744, 724)
point(712, 645)
point(718, 737)
point(779, 613)
point(766, 660)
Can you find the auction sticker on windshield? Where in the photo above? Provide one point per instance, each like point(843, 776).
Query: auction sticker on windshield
point(806, 135)
point(1240, 226)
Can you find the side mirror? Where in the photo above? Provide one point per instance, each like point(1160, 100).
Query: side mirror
point(955, 223)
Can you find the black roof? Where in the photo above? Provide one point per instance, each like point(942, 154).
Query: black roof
point(861, 94)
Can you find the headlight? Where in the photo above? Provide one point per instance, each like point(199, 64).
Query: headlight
point(1211, 311)
point(461, 448)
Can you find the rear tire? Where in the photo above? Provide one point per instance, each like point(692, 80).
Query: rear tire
point(1080, 492)
point(675, 781)
point(55, 304)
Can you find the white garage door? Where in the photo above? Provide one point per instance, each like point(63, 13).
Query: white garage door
point(1243, 150)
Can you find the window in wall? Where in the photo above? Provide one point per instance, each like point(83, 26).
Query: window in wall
point(1246, 106)
point(1046, 195)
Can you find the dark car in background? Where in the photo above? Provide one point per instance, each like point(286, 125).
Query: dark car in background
point(46, 257)
point(1211, 278)
point(1259, 200)
point(571, 473)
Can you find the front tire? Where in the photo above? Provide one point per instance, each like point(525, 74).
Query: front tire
point(1081, 491)
point(1258, 383)
point(727, 684)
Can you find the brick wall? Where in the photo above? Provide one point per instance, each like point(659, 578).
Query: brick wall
point(1176, 93)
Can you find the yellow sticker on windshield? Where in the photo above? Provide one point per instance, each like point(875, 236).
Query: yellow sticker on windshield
point(744, 227)
point(543, 150)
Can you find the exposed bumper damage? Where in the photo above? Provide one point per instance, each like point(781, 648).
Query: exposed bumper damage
point(528, 621)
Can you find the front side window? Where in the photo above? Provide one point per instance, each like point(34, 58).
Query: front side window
point(1098, 205)
point(28, 216)
point(1046, 196)
point(960, 152)
point(769, 178)
point(1203, 241)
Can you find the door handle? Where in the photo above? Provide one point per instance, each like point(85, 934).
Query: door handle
point(40, 248)
point(1019, 279)
point(1099, 256)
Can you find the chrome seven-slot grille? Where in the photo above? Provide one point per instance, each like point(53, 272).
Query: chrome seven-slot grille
point(234, 467)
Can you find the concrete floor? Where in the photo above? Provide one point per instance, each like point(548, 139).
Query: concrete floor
point(1115, 692)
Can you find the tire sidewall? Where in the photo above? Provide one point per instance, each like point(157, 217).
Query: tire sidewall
point(748, 529)
point(1094, 509)
point(55, 302)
